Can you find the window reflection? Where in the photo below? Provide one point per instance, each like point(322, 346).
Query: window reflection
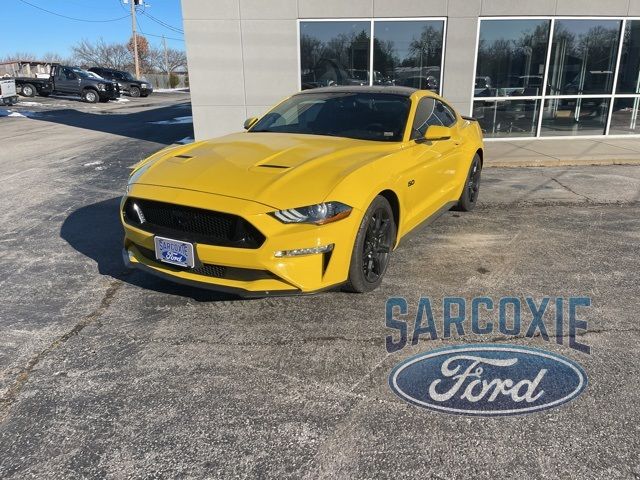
point(408, 53)
point(507, 118)
point(511, 57)
point(334, 53)
point(629, 74)
point(625, 118)
point(574, 116)
point(583, 56)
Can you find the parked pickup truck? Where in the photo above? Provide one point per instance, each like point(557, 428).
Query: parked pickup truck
point(126, 81)
point(65, 80)
point(8, 92)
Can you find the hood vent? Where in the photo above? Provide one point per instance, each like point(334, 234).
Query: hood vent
point(273, 166)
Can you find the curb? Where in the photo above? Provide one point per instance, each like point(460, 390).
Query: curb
point(549, 162)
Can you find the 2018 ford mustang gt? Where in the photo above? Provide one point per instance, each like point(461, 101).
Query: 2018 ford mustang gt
point(315, 194)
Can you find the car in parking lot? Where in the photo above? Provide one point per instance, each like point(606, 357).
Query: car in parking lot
point(127, 82)
point(315, 194)
point(68, 80)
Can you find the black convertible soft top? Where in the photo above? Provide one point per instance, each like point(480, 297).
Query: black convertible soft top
point(404, 91)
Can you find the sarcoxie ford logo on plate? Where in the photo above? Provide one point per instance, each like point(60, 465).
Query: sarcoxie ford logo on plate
point(488, 380)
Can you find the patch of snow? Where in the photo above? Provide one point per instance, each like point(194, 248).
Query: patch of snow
point(91, 164)
point(174, 121)
point(11, 113)
point(171, 90)
point(29, 104)
point(122, 100)
point(185, 140)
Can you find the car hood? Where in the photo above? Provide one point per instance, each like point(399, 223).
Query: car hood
point(276, 169)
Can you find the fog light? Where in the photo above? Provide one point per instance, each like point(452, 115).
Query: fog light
point(304, 251)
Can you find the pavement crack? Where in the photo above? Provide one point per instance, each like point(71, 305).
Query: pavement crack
point(14, 390)
point(569, 189)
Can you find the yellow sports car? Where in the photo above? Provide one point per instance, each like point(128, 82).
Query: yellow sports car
point(316, 194)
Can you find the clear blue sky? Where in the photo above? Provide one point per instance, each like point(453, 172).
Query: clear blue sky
point(30, 30)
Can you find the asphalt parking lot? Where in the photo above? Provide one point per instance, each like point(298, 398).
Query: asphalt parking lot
point(108, 373)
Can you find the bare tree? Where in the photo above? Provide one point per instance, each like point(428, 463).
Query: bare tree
point(13, 57)
point(110, 55)
point(174, 59)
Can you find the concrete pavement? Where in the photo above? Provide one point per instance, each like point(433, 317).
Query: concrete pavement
point(564, 152)
point(107, 373)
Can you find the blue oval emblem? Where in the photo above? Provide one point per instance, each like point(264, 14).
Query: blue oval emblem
point(488, 379)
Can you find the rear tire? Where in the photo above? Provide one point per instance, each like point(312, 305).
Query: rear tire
point(372, 247)
point(471, 190)
point(134, 91)
point(28, 90)
point(90, 96)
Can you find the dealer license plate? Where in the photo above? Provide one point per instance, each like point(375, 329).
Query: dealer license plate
point(174, 252)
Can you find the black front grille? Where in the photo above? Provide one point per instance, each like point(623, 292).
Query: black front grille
point(192, 224)
point(211, 270)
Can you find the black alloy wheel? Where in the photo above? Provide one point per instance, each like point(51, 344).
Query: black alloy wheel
point(372, 248)
point(471, 189)
point(377, 245)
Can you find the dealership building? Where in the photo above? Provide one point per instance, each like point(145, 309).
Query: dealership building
point(524, 68)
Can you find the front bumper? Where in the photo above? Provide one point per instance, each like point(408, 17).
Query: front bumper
point(267, 274)
point(109, 94)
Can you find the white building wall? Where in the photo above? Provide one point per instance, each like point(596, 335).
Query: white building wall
point(243, 54)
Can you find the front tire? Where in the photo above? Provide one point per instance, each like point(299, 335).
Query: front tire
point(372, 247)
point(90, 96)
point(471, 190)
point(134, 92)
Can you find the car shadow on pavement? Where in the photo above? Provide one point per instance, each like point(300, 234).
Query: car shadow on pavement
point(163, 124)
point(95, 231)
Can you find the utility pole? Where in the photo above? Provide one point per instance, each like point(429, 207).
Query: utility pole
point(166, 56)
point(135, 36)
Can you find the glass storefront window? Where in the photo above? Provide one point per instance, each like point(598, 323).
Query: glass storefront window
point(334, 53)
point(511, 57)
point(625, 118)
point(507, 118)
point(583, 56)
point(572, 93)
point(408, 53)
point(629, 73)
point(574, 116)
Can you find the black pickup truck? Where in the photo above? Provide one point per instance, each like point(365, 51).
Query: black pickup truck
point(65, 80)
point(127, 82)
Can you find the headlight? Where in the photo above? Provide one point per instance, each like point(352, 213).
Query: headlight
point(145, 85)
point(318, 214)
point(101, 86)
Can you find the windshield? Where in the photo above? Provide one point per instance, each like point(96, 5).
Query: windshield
point(94, 75)
point(124, 76)
point(363, 116)
point(83, 73)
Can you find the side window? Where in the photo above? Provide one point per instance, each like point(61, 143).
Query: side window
point(445, 114)
point(423, 117)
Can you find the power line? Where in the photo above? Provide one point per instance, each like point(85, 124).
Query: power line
point(160, 22)
point(158, 36)
point(73, 18)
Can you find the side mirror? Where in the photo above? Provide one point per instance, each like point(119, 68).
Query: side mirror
point(248, 123)
point(437, 132)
